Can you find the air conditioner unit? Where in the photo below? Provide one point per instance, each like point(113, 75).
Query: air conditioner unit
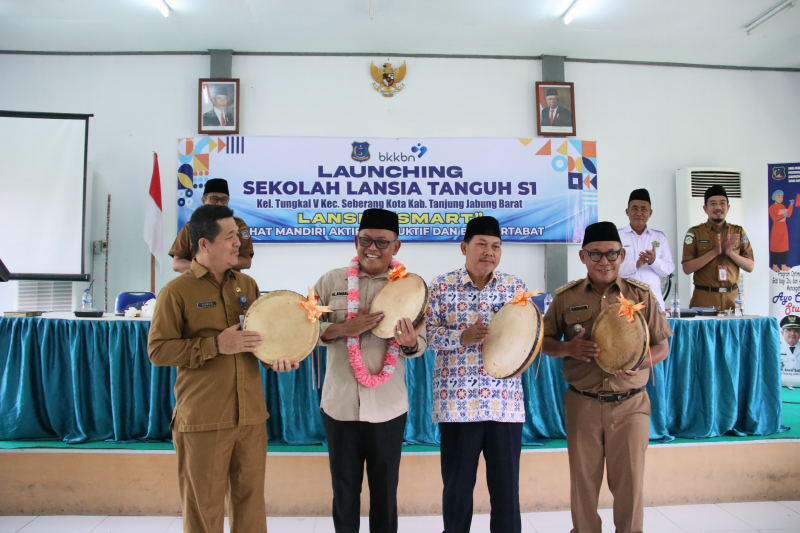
point(690, 187)
point(45, 296)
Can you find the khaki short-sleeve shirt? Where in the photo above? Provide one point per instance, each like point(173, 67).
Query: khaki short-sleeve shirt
point(578, 304)
point(699, 240)
point(182, 247)
point(343, 397)
point(212, 390)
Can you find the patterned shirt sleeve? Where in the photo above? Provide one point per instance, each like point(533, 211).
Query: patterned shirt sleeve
point(440, 336)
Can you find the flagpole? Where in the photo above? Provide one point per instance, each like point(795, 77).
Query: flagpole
point(153, 222)
point(152, 257)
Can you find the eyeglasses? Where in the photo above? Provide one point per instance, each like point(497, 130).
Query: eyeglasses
point(612, 256)
point(214, 200)
point(366, 242)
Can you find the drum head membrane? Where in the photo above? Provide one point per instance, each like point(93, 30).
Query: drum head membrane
point(514, 340)
point(403, 298)
point(622, 344)
point(284, 326)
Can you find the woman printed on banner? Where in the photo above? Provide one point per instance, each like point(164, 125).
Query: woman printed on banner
point(779, 234)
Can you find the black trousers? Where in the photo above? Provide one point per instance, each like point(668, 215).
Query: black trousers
point(778, 258)
point(462, 443)
point(349, 445)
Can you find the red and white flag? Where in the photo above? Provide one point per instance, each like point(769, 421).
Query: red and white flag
point(153, 215)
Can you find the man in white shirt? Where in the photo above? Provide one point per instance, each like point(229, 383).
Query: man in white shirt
point(647, 254)
point(790, 349)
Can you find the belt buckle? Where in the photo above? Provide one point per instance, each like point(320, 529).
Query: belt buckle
point(608, 396)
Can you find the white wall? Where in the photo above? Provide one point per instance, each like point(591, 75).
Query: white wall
point(648, 122)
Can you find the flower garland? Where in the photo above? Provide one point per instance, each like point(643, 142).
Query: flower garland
point(353, 344)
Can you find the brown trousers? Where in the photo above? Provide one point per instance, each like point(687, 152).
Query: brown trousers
point(616, 434)
point(211, 463)
point(725, 300)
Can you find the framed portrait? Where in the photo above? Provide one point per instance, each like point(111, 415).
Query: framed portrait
point(218, 106)
point(555, 109)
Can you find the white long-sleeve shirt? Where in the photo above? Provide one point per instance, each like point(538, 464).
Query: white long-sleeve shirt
point(650, 274)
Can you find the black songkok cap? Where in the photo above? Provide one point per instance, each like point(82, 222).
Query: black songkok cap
point(551, 92)
point(216, 185)
point(219, 90)
point(639, 194)
point(790, 322)
point(380, 219)
point(483, 226)
point(601, 231)
point(715, 190)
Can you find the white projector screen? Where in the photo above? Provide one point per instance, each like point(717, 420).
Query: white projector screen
point(43, 181)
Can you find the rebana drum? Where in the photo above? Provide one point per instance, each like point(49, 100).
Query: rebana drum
point(284, 326)
point(623, 345)
point(402, 298)
point(514, 341)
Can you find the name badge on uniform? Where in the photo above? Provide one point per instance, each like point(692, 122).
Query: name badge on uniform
point(579, 308)
point(722, 271)
point(207, 304)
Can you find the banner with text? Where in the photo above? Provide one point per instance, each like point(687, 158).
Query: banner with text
point(313, 189)
point(784, 262)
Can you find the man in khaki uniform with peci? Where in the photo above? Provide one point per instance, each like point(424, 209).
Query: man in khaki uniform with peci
point(214, 193)
point(218, 426)
point(608, 415)
point(714, 251)
point(365, 419)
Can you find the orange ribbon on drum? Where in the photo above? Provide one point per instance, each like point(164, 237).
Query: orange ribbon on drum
point(314, 311)
point(397, 273)
point(628, 309)
point(521, 298)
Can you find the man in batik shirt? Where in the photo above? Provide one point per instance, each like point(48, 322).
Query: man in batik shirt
point(475, 412)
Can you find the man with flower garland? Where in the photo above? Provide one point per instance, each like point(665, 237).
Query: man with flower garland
point(364, 398)
point(475, 411)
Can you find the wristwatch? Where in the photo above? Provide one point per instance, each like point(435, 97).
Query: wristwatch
point(409, 350)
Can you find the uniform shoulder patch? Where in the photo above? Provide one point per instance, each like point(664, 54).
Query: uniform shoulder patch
point(636, 283)
point(568, 285)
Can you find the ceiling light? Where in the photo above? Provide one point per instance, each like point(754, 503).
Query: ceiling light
point(783, 6)
point(162, 6)
point(577, 7)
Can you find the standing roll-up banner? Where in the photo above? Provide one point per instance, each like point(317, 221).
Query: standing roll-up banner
point(784, 262)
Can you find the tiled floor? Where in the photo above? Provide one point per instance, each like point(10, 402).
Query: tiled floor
point(765, 517)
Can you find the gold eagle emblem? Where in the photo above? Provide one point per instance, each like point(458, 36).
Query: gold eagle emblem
point(387, 81)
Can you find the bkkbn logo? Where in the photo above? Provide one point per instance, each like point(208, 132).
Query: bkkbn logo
point(396, 157)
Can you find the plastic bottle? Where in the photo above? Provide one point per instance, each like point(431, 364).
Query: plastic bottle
point(548, 299)
point(739, 311)
point(87, 300)
point(676, 305)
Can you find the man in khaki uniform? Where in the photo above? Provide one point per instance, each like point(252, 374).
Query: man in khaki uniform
point(214, 193)
point(714, 251)
point(218, 426)
point(608, 415)
point(365, 423)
